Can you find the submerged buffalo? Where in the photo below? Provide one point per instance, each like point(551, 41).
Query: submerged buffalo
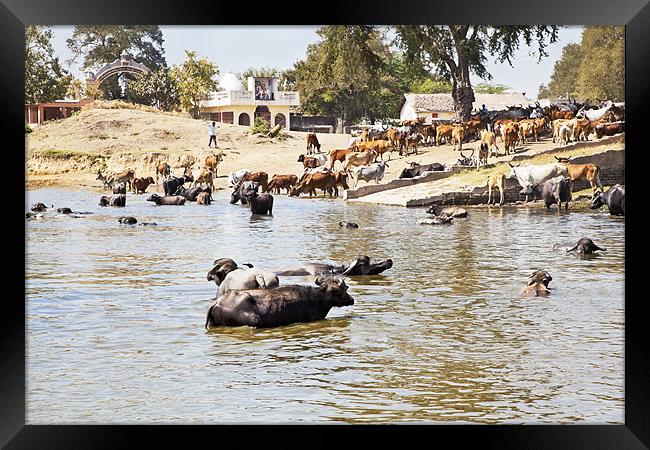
point(39, 207)
point(229, 276)
point(345, 224)
point(585, 246)
point(113, 200)
point(167, 199)
point(614, 198)
point(128, 220)
point(361, 265)
point(280, 306)
point(192, 194)
point(64, 211)
point(538, 284)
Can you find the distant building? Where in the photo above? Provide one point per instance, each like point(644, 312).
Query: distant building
point(441, 106)
point(236, 105)
point(37, 113)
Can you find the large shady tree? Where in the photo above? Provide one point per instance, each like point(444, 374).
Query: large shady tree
point(455, 51)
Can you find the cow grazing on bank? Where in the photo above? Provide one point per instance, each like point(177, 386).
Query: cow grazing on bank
point(614, 198)
point(280, 306)
point(312, 143)
point(318, 180)
point(359, 159)
point(337, 155)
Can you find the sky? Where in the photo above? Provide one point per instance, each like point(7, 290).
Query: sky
point(235, 48)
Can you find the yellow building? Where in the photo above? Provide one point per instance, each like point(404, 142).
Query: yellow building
point(233, 104)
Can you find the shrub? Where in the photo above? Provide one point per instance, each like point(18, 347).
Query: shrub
point(260, 126)
point(28, 129)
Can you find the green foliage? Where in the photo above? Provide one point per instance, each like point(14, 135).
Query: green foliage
point(102, 44)
point(602, 71)
point(593, 69)
point(28, 129)
point(158, 88)
point(564, 80)
point(260, 125)
point(453, 51)
point(430, 86)
point(342, 72)
point(195, 79)
point(490, 88)
point(45, 79)
point(76, 89)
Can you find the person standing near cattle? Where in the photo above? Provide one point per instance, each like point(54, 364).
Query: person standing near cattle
point(212, 132)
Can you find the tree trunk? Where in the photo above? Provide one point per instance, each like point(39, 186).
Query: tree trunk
point(462, 92)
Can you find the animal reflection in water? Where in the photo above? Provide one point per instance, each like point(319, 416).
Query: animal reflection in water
point(264, 308)
point(361, 265)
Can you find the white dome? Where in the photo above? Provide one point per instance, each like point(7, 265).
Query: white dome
point(230, 82)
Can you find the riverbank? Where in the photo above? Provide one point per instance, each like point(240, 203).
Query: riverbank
point(68, 153)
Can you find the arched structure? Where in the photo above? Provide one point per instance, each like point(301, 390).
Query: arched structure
point(280, 119)
point(124, 64)
point(244, 119)
point(263, 112)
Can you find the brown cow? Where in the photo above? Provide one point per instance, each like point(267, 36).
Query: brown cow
point(204, 198)
point(123, 177)
point(204, 177)
point(312, 142)
point(140, 185)
point(380, 147)
point(341, 179)
point(443, 131)
point(609, 129)
point(313, 181)
point(561, 115)
point(163, 169)
point(359, 159)
point(212, 162)
point(589, 172)
point(457, 136)
point(472, 127)
point(490, 138)
point(582, 129)
point(261, 177)
point(312, 162)
point(497, 180)
point(510, 137)
point(282, 182)
point(337, 155)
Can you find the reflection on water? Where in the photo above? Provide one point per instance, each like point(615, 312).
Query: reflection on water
point(115, 317)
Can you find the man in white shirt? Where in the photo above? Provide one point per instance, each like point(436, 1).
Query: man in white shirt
point(212, 131)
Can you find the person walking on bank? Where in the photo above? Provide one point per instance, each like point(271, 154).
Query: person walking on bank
point(212, 131)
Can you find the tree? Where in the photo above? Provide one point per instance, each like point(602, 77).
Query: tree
point(103, 44)
point(76, 89)
point(489, 88)
point(564, 79)
point(456, 50)
point(602, 69)
point(158, 88)
point(195, 79)
point(45, 79)
point(341, 72)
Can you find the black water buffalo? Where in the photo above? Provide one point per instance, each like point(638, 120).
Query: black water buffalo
point(264, 308)
point(260, 203)
point(415, 170)
point(538, 284)
point(348, 224)
point(191, 194)
point(39, 207)
point(361, 265)
point(120, 189)
point(585, 246)
point(229, 276)
point(555, 190)
point(237, 193)
point(64, 211)
point(113, 200)
point(171, 184)
point(167, 199)
point(127, 220)
point(614, 198)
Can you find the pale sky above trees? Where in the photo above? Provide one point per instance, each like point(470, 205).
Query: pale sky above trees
point(236, 48)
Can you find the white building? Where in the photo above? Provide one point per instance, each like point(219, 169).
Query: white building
point(236, 105)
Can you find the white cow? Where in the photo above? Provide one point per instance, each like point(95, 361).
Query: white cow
point(595, 114)
point(530, 175)
point(371, 172)
point(235, 177)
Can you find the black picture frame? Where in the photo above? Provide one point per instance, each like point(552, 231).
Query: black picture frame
point(635, 14)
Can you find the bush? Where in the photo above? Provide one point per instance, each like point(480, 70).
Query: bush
point(28, 129)
point(260, 126)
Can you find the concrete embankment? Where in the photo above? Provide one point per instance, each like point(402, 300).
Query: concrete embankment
point(467, 186)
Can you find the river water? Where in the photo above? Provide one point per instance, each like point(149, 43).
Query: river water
point(115, 317)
